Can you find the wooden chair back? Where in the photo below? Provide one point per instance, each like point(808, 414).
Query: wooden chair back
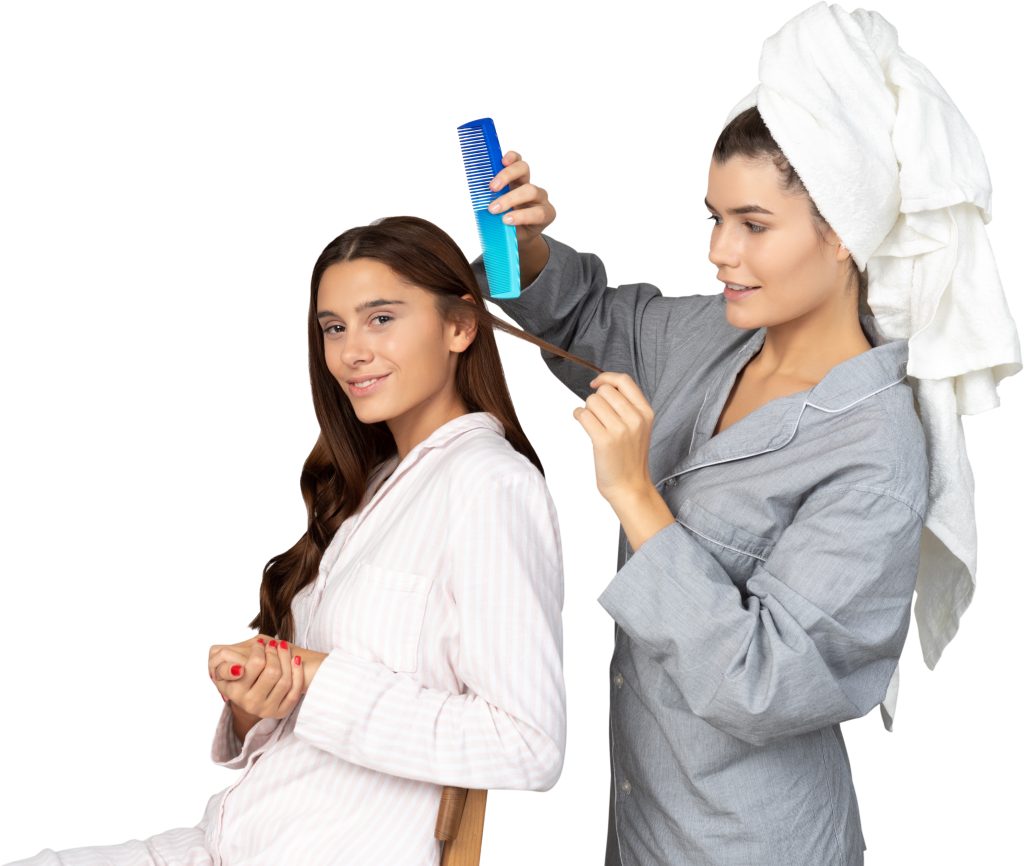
point(460, 825)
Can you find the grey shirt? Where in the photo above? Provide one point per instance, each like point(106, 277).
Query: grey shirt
point(777, 603)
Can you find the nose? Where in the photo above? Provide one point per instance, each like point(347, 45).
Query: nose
point(356, 350)
point(724, 251)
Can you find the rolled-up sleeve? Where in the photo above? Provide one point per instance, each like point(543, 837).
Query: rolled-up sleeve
point(228, 751)
point(571, 305)
point(506, 729)
point(812, 641)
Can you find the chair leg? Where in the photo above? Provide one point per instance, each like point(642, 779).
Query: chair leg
point(465, 849)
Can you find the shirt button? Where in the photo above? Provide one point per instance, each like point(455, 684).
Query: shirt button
point(618, 679)
point(625, 786)
point(672, 482)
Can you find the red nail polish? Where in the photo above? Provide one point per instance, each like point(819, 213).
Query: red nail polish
point(260, 641)
point(273, 643)
point(284, 644)
point(236, 670)
point(298, 660)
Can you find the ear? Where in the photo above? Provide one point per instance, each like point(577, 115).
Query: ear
point(463, 329)
point(834, 241)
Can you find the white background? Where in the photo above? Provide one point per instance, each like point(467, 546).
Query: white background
point(170, 174)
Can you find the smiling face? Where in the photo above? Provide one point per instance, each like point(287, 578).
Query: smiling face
point(766, 238)
point(376, 326)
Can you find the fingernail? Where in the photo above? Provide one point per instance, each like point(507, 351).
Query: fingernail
point(261, 642)
point(284, 644)
point(298, 660)
point(236, 670)
point(273, 643)
point(493, 207)
point(507, 218)
point(225, 698)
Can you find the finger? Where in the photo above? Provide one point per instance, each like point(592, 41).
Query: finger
point(284, 685)
point(625, 412)
point(271, 673)
point(538, 215)
point(593, 428)
point(520, 196)
point(625, 385)
point(515, 174)
point(291, 700)
point(224, 660)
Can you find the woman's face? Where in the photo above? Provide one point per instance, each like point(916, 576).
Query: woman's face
point(765, 238)
point(389, 349)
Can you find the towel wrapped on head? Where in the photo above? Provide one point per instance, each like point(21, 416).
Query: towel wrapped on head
point(894, 168)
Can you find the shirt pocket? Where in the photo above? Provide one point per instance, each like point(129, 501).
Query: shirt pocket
point(738, 551)
point(377, 614)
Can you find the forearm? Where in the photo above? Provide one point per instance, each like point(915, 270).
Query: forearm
point(533, 256)
point(241, 721)
point(641, 511)
point(387, 721)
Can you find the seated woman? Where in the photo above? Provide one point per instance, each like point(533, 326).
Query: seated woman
point(412, 637)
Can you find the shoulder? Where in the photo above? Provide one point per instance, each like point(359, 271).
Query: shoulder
point(484, 463)
point(879, 445)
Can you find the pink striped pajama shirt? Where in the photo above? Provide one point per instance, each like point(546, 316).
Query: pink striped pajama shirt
point(439, 605)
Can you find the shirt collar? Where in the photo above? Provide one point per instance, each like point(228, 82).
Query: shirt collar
point(846, 384)
point(440, 438)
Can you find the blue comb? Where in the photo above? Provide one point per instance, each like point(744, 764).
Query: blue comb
point(482, 158)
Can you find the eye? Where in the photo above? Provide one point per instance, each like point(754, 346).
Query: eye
point(330, 330)
point(381, 316)
point(754, 227)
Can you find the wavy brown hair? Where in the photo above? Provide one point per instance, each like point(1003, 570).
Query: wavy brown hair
point(748, 136)
point(335, 474)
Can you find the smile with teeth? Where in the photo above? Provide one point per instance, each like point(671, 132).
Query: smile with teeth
point(367, 385)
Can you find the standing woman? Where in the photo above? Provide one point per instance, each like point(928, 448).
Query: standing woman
point(780, 489)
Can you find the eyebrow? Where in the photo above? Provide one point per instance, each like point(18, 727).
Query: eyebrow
point(380, 302)
point(750, 208)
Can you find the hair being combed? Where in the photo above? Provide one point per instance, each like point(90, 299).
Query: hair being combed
point(335, 474)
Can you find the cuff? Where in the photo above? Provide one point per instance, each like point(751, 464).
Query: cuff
point(228, 751)
point(558, 271)
point(674, 598)
point(334, 708)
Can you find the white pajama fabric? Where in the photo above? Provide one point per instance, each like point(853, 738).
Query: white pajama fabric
point(439, 605)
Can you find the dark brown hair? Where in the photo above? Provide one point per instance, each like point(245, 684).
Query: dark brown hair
point(335, 474)
point(747, 135)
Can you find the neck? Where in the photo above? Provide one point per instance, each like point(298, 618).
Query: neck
point(806, 348)
point(417, 424)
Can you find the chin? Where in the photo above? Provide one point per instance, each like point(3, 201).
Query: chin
point(744, 319)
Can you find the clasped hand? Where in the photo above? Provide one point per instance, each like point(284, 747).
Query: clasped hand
point(260, 676)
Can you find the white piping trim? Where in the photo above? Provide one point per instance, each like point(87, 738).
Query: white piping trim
point(858, 400)
point(720, 544)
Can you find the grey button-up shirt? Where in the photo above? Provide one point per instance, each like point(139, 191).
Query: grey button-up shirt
point(777, 603)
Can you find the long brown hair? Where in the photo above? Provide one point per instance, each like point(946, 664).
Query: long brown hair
point(748, 136)
point(335, 474)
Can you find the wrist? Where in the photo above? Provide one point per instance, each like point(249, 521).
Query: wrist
point(310, 665)
point(641, 511)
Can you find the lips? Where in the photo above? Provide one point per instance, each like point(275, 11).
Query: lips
point(366, 386)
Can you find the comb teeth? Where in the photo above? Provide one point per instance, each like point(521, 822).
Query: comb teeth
point(481, 156)
point(477, 160)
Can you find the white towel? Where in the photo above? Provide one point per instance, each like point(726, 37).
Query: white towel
point(896, 171)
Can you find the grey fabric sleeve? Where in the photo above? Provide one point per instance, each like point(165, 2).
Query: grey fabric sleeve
point(812, 642)
point(571, 305)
